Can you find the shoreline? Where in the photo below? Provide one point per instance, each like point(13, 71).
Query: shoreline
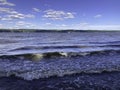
point(54, 30)
point(103, 81)
point(47, 67)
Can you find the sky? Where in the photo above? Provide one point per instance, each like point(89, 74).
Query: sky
point(60, 14)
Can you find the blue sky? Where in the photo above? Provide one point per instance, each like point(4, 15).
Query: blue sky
point(60, 14)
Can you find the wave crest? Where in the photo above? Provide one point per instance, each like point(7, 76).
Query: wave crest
point(39, 56)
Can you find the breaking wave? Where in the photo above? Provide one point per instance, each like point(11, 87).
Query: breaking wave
point(39, 56)
point(59, 64)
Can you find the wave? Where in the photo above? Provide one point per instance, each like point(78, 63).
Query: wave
point(6, 41)
point(40, 56)
point(108, 42)
point(47, 47)
point(59, 64)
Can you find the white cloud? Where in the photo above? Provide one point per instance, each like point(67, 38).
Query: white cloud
point(104, 27)
point(48, 24)
point(23, 24)
point(98, 16)
point(83, 24)
point(64, 25)
point(57, 15)
point(6, 10)
point(87, 26)
point(11, 14)
point(68, 15)
point(5, 2)
point(16, 16)
point(29, 15)
point(36, 9)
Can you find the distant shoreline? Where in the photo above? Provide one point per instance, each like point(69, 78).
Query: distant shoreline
point(54, 30)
